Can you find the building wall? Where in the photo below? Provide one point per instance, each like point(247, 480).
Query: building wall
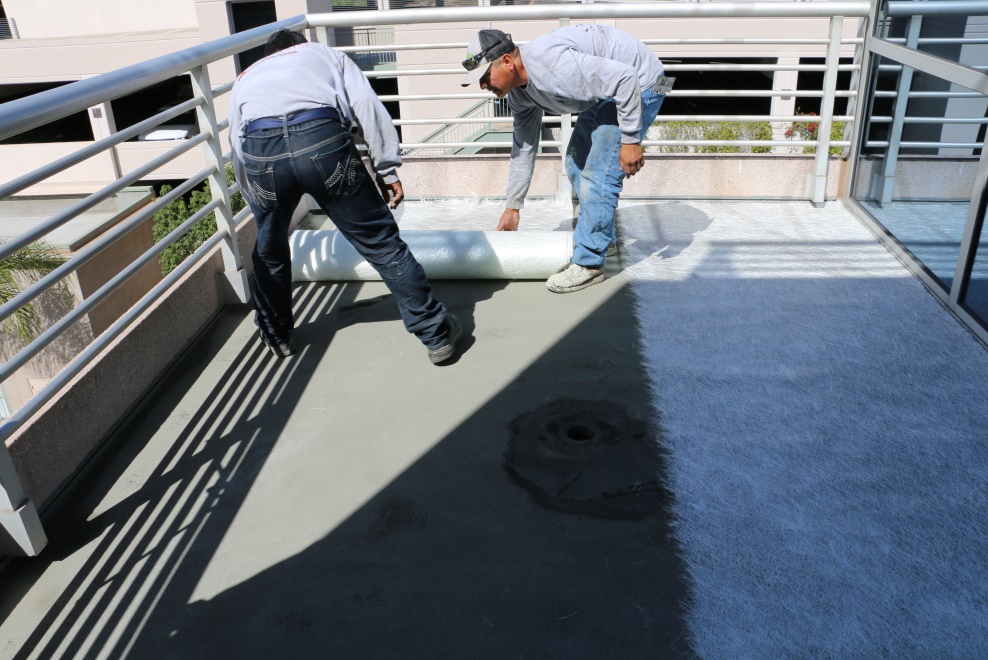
point(38, 19)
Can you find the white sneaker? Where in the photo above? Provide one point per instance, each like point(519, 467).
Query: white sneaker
point(574, 278)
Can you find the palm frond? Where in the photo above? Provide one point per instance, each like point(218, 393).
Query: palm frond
point(31, 263)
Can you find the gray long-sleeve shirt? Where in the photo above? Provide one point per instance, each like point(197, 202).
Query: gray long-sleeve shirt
point(569, 70)
point(310, 76)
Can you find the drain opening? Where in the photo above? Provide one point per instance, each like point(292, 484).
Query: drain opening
point(580, 433)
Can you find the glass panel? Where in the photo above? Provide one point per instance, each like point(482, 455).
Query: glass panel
point(957, 38)
point(917, 181)
point(976, 299)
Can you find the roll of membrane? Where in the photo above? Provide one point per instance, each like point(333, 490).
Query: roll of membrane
point(326, 255)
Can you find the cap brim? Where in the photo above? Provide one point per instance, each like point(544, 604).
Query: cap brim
point(475, 75)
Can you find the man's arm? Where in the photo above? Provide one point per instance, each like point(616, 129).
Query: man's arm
point(375, 122)
point(524, 144)
point(235, 155)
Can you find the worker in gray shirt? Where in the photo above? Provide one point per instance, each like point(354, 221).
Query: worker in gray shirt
point(290, 118)
point(616, 85)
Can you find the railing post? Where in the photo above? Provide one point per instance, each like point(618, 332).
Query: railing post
point(326, 37)
point(885, 180)
point(563, 187)
point(21, 533)
point(818, 181)
point(857, 76)
point(235, 278)
point(858, 128)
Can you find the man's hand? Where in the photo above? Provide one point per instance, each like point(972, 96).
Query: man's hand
point(391, 192)
point(509, 220)
point(632, 159)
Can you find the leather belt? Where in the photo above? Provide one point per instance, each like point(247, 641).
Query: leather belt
point(325, 112)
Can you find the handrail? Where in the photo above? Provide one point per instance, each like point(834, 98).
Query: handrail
point(610, 11)
point(938, 8)
point(39, 109)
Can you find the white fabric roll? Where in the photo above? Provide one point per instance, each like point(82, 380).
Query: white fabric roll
point(326, 255)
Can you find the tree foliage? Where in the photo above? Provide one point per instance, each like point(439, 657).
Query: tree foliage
point(171, 216)
point(27, 265)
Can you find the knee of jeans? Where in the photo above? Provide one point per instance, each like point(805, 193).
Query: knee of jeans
point(393, 264)
point(271, 252)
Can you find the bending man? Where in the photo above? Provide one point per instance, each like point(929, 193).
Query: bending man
point(289, 128)
point(615, 82)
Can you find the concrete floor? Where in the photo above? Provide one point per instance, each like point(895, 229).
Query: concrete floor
point(352, 501)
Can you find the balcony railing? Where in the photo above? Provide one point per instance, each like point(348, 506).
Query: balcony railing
point(7, 29)
point(18, 514)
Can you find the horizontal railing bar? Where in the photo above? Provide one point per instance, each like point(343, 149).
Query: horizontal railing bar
point(591, 11)
point(646, 143)
point(92, 200)
point(97, 246)
point(387, 48)
point(436, 97)
point(45, 107)
point(758, 67)
point(898, 67)
point(398, 73)
point(686, 41)
point(930, 95)
point(554, 119)
point(927, 145)
point(938, 8)
point(223, 89)
point(240, 219)
point(932, 120)
point(741, 143)
point(803, 119)
point(757, 92)
point(973, 41)
point(21, 415)
point(57, 328)
point(91, 150)
point(467, 120)
point(675, 92)
point(462, 145)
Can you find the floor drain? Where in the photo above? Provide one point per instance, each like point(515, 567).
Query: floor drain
point(586, 457)
point(580, 433)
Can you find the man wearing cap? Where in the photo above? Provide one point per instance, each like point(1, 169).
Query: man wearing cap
point(616, 85)
point(289, 128)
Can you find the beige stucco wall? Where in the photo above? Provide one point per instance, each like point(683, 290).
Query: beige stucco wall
point(65, 18)
point(70, 59)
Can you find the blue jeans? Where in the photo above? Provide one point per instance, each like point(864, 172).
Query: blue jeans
point(595, 173)
point(318, 157)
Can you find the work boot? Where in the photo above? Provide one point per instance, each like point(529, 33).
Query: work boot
point(445, 352)
point(278, 347)
point(574, 278)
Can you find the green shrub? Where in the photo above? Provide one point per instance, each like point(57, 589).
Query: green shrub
point(171, 216)
point(808, 130)
point(714, 130)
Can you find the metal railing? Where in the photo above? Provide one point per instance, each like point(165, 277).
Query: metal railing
point(7, 29)
point(458, 130)
point(18, 515)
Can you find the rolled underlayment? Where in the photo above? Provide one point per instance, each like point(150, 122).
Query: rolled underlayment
point(326, 255)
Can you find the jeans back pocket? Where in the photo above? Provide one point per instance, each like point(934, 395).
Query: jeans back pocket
point(260, 182)
point(342, 170)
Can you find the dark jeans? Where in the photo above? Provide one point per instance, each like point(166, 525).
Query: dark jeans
point(318, 157)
